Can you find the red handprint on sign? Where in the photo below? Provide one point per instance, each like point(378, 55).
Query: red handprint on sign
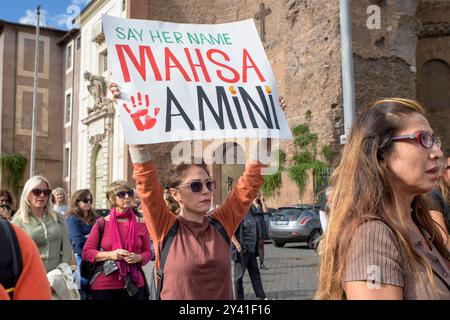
point(140, 115)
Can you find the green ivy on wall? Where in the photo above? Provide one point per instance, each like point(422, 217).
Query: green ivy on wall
point(306, 158)
point(272, 183)
point(15, 164)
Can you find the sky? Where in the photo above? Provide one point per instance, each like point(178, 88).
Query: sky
point(54, 13)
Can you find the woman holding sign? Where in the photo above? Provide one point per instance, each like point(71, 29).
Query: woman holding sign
point(197, 264)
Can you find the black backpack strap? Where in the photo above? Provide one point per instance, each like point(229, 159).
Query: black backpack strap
point(219, 227)
point(162, 261)
point(98, 265)
point(101, 229)
point(10, 257)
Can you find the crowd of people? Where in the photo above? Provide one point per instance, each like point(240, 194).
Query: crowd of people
point(385, 224)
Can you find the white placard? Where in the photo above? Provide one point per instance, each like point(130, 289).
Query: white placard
point(192, 81)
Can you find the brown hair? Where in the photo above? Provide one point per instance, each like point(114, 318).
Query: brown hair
point(362, 175)
point(113, 188)
point(176, 176)
point(5, 193)
point(74, 209)
point(171, 203)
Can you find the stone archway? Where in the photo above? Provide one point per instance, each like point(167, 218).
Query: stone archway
point(435, 85)
point(433, 91)
point(229, 170)
point(433, 65)
point(97, 181)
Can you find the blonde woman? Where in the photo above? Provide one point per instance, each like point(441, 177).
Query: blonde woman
point(381, 242)
point(47, 228)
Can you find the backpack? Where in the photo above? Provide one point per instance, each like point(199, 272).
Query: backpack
point(155, 290)
point(10, 257)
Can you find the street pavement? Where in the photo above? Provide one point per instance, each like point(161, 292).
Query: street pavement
point(292, 274)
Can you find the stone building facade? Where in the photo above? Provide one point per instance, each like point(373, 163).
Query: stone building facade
point(407, 55)
point(17, 47)
point(71, 46)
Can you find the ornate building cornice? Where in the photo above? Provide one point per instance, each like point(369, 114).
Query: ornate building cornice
point(97, 138)
point(434, 4)
point(432, 30)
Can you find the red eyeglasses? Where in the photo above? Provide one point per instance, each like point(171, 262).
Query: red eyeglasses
point(425, 139)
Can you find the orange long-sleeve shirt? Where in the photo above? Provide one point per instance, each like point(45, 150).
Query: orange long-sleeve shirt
point(198, 265)
point(32, 283)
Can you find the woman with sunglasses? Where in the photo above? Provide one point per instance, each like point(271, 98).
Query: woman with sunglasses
point(80, 218)
point(381, 242)
point(47, 228)
point(125, 248)
point(198, 263)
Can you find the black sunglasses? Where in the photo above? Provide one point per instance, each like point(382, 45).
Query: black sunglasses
point(425, 139)
point(86, 200)
point(197, 185)
point(38, 192)
point(121, 194)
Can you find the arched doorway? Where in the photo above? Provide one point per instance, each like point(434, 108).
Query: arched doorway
point(231, 168)
point(98, 177)
point(433, 91)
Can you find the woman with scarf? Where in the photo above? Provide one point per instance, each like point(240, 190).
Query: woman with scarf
point(124, 249)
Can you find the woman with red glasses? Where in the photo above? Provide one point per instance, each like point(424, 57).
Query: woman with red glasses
point(121, 250)
point(80, 218)
point(381, 242)
point(47, 228)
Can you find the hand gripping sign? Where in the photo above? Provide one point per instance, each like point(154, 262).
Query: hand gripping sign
point(184, 82)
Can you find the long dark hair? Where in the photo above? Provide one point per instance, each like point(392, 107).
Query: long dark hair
point(362, 175)
point(74, 209)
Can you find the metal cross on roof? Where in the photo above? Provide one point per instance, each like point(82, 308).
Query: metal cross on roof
point(261, 15)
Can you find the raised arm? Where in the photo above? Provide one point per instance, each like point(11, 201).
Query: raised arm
point(158, 217)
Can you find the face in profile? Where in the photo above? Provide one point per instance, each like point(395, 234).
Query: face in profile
point(415, 167)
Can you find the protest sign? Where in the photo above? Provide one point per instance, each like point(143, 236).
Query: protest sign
point(192, 82)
